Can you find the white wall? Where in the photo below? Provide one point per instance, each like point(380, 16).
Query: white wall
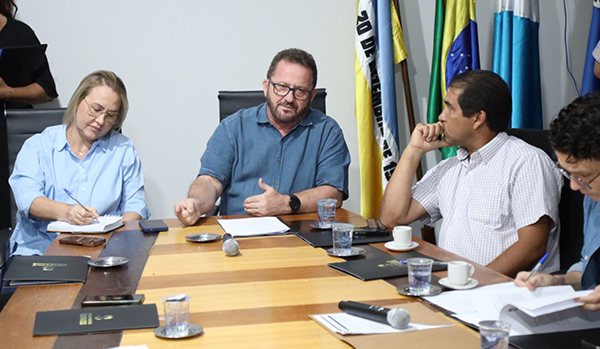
point(175, 55)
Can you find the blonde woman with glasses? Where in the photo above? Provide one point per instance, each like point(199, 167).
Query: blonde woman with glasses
point(85, 156)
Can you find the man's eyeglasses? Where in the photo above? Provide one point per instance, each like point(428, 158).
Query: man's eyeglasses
point(282, 90)
point(581, 182)
point(97, 110)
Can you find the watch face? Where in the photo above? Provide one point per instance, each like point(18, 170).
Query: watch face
point(294, 203)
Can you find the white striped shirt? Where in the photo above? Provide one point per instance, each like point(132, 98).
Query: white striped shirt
point(507, 185)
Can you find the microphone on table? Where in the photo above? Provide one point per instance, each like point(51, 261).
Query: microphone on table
point(230, 246)
point(397, 317)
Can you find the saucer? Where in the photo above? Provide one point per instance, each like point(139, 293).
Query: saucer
point(446, 283)
point(355, 251)
point(404, 290)
point(193, 330)
point(107, 262)
point(315, 225)
point(391, 246)
point(204, 237)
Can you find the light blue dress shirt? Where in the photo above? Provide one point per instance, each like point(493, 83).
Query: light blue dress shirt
point(109, 179)
point(591, 237)
point(246, 147)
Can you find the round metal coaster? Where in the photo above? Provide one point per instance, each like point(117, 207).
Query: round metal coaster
point(315, 225)
point(204, 237)
point(355, 251)
point(405, 290)
point(107, 262)
point(193, 330)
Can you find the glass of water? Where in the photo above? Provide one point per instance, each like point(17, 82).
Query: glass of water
point(494, 334)
point(419, 275)
point(326, 210)
point(177, 315)
point(342, 238)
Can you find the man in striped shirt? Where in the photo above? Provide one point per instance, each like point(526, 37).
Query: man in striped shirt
point(498, 196)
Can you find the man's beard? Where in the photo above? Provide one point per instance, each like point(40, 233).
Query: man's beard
point(283, 118)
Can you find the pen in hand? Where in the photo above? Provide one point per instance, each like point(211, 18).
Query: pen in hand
point(537, 267)
point(77, 201)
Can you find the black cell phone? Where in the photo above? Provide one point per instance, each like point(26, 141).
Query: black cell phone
point(120, 299)
point(153, 226)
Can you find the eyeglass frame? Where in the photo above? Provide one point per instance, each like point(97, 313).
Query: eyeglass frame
point(112, 117)
point(580, 181)
point(275, 84)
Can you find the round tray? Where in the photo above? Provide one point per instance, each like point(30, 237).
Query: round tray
point(108, 262)
point(193, 330)
point(315, 225)
point(355, 251)
point(404, 290)
point(203, 237)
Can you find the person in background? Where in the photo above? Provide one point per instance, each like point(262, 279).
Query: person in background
point(85, 155)
point(498, 196)
point(14, 33)
point(277, 158)
point(575, 136)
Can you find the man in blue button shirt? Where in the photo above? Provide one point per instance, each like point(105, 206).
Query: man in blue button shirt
point(574, 137)
point(277, 158)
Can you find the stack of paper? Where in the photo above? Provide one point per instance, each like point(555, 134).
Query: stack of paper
point(103, 224)
point(546, 309)
point(259, 226)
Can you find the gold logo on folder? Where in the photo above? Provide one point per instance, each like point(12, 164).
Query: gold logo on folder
point(48, 266)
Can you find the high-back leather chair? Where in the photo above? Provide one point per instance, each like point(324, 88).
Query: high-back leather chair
point(232, 101)
point(16, 127)
point(571, 202)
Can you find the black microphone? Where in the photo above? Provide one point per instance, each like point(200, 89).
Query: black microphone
point(397, 317)
point(230, 246)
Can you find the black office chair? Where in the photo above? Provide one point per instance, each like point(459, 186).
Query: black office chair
point(571, 202)
point(232, 101)
point(16, 127)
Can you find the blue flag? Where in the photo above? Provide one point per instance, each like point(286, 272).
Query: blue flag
point(590, 82)
point(516, 58)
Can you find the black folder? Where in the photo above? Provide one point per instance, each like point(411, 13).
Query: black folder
point(562, 340)
point(381, 267)
point(46, 270)
point(98, 319)
point(323, 238)
point(20, 65)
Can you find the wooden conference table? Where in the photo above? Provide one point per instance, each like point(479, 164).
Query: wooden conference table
point(259, 299)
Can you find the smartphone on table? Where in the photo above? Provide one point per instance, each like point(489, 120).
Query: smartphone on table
point(154, 225)
point(120, 299)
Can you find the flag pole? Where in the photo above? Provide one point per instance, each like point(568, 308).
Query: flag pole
point(408, 94)
point(427, 232)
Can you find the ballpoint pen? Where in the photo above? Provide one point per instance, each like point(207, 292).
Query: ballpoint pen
point(537, 266)
point(77, 201)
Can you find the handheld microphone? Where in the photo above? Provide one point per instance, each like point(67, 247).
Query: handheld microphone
point(397, 317)
point(230, 246)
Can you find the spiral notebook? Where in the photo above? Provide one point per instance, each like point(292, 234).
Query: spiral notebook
point(103, 224)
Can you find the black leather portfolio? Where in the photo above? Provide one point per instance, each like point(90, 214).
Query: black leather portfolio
point(46, 270)
point(98, 319)
point(580, 339)
point(19, 65)
point(381, 267)
point(323, 238)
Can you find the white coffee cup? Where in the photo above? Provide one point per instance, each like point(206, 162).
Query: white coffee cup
point(402, 236)
point(459, 272)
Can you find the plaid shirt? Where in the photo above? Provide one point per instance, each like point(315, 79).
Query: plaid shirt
point(504, 186)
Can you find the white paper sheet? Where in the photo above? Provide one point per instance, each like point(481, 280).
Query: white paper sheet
point(343, 324)
point(253, 226)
